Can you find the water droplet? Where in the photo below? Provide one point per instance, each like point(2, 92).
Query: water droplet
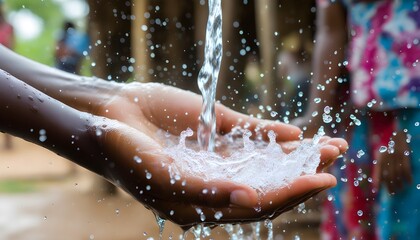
point(202, 217)
point(391, 145)
point(117, 211)
point(343, 179)
point(326, 118)
point(269, 225)
point(418, 186)
point(218, 215)
point(42, 138)
point(148, 187)
point(360, 213)
point(301, 207)
point(98, 132)
point(137, 159)
point(317, 100)
point(314, 113)
point(172, 212)
point(327, 109)
point(355, 120)
point(360, 153)
point(273, 114)
point(161, 224)
point(136, 99)
point(148, 175)
point(383, 149)
point(330, 197)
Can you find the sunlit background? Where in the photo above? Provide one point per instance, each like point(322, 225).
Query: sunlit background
point(38, 23)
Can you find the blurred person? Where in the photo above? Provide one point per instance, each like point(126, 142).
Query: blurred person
point(115, 128)
point(6, 39)
point(70, 49)
point(383, 53)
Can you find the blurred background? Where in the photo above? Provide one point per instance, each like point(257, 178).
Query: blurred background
point(265, 72)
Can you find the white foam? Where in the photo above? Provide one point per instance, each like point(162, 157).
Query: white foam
point(261, 165)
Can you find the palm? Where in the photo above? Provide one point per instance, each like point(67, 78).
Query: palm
point(147, 109)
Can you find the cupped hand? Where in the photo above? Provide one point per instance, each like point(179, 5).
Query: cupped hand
point(137, 164)
point(144, 169)
point(123, 146)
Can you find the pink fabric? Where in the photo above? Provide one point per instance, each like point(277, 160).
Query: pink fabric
point(6, 35)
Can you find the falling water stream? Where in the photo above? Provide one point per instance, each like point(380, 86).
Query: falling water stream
point(207, 77)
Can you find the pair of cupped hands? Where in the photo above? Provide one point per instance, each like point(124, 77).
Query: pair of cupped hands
point(142, 169)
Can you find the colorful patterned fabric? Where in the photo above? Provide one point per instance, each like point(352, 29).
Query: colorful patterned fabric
point(349, 211)
point(384, 53)
point(383, 61)
point(399, 215)
point(354, 209)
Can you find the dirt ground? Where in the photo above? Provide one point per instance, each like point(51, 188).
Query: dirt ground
point(43, 197)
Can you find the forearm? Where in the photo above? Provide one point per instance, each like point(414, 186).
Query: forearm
point(83, 93)
point(28, 113)
point(326, 72)
point(329, 51)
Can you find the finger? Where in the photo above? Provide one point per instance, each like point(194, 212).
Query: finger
point(283, 198)
point(298, 187)
point(272, 204)
point(340, 143)
point(330, 149)
point(328, 154)
point(196, 190)
point(294, 202)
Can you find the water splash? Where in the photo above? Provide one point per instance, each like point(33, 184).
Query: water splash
point(207, 77)
point(256, 163)
point(161, 223)
point(269, 225)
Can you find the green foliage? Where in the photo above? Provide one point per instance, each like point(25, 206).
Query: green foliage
point(12, 186)
point(48, 10)
point(40, 49)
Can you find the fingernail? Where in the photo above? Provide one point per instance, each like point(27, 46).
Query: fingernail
point(241, 198)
